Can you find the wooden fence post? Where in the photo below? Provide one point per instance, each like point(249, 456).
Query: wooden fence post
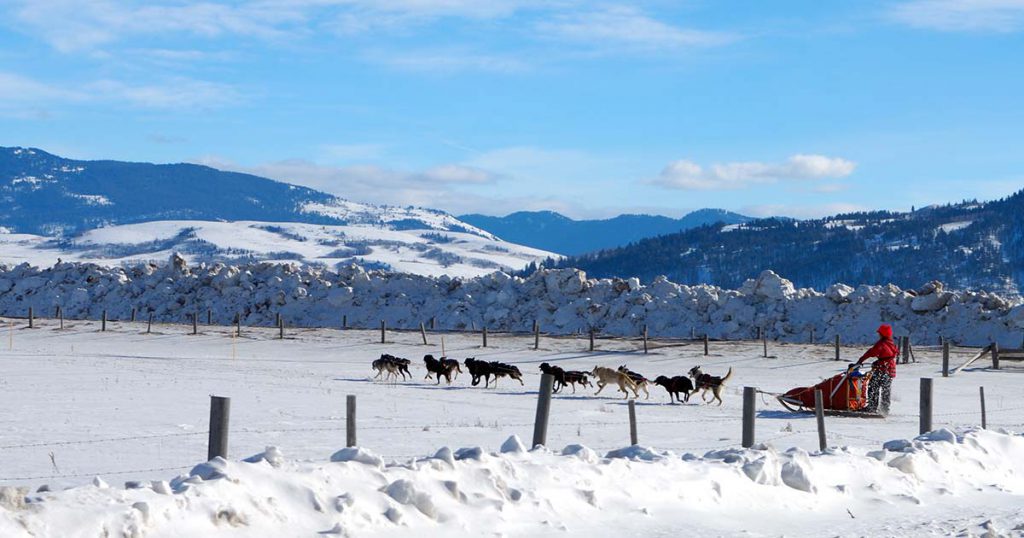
point(749, 408)
point(632, 422)
point(819, 414)
point(705, 344)
point(383, 331)
point(31, 318)
point(60, 315)
point(280, 327)
point(344, 321)
point(350, 420)
point(837, 347)
point(220, 410)
point(195, 322)
point(133, 314)
point(591, 339)
point(645, 339)
point(536, 335)
point(423, 333)
point(926, 405)
point(995, 355)
point(209, 316)
point(103, 322)
point(433, 322)
point(149, 324)
point(485, 335)
point(945, 359)
point(906, 349)
point(540, 423)
point(984, 423)
point(812, 335)
point(758, 332)
point(764, 342)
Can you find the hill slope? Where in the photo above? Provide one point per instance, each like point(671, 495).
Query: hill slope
point(970, 245)
point(552, 231)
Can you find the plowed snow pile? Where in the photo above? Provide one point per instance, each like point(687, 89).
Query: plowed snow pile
point(571, 492)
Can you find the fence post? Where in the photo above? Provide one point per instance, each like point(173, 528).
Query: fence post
point(423, 333)
point(995, 355)
point(133, 314)
point(632, 422)
point(693, 333)
point(433, 322)
point(758, 332)
point(31, 318)
point(705, 344)
point(819, 414)
point(220, 409)
point(195, 322)
point(277, 319)
point(645, 339)
point(906, 349)
point(280, 327)
point(749, 403)
point(837, 347)
point(812, 335)
point(540, 423)
point(344, 321)
point(984, 423)
point(764, 342)
point(149, 324)
point(945, 359)
point(350, 420)
point(591, 339)
point(103, 322)
point(536, 335)
point(485, 335)
point(926, 405)
point(383, 330)
point(60, 314)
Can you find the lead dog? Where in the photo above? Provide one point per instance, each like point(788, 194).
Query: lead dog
point(606, 376)
point(705, 382)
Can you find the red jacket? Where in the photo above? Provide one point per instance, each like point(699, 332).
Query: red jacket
point(885, 351)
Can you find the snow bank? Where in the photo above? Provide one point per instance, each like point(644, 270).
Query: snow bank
point(537, 492)
point(563, 301)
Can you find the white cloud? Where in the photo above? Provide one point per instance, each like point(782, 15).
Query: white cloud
point(174, 93)
point(961, 15)
point(687, 175)
point(448, 61)
point(618, 26)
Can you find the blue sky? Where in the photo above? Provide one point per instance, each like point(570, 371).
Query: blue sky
point(588, 108)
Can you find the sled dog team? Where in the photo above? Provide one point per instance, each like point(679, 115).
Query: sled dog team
point(696, 380)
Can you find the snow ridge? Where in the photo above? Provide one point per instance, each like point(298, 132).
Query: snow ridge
point(563, 301)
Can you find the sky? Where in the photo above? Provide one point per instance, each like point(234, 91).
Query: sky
point(592, 109)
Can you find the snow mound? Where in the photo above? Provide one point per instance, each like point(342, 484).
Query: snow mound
point(506, 493)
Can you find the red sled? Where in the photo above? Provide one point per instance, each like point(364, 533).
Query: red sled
point(849, 398)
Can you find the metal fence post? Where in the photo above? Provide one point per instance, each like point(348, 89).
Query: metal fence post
point(705, 344)
point(220, 410)
point(632, 422)
point(31, 318)
point(819, 414)
point(984, 423)
point(926, 405)
point(350, 420)
point(540, 423)
point(749, 408)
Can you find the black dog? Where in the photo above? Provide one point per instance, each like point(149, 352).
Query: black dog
point(559, 375)
point(478, 369)
point(484, 369)
point(500, 369)
point(443, 367)
point(675, 385)
point(575, 376)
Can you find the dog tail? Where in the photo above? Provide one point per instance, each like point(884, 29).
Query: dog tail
point(727, 376)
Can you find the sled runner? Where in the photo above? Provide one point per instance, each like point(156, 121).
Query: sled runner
point(843, 395)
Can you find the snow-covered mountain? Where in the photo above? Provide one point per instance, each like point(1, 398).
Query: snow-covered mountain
point(112, 212)
point(969, 245)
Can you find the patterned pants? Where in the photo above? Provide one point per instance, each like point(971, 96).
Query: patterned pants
point(878, 392)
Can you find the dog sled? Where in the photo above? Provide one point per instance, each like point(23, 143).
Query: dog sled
point(844, 394)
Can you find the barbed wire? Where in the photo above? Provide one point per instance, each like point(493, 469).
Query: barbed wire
point(102, 440)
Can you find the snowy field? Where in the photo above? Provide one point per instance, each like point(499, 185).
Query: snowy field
point(123, 405)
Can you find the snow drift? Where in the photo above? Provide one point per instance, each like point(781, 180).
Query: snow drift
point(471, 491)
point(563, 301)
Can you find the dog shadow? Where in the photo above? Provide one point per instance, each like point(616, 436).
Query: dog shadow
point(787, 415)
